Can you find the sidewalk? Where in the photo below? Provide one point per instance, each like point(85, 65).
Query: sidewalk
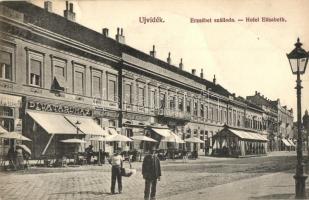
point(273, 186)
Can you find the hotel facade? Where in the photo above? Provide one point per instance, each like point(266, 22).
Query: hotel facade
point(55, 72)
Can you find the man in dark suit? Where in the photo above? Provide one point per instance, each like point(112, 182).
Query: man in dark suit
point(151, 171)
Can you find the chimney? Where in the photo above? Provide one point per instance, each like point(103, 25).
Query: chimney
point(169, 60)
point(105, 32)
point(153, 52)
point(181, 64)
point(48, 6)
point(214, 79)
point(256, 92)
point(68, 13)
point(119, 36)
point(193, 71)
point(202, 74)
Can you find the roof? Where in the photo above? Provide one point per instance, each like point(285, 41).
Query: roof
point(242, 134)
point(147, 58)
point(58, 24)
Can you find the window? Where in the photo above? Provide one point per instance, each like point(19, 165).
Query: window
point(188, 106)
point(162, 100)
point(35, 72)
point(206, 111)
point(79, 83)
point(5, 65)
point(202, 111)
point(172, 102)
point(6, 111)
point(180, 103)
point(128, 93)
point(111, 90)
point(152, 98)
point(141, 96)
point(195, 108)
point(59, 73)
point(96, 86)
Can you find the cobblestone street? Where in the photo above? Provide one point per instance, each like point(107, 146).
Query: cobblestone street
point(93, 182)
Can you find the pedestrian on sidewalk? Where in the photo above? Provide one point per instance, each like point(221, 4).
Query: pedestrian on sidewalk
point(116, 161)
point(151, 171)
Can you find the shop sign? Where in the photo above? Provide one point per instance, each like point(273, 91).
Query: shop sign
point(101, 112)
point(48, 107)
point(131, 116)
point(10, 100)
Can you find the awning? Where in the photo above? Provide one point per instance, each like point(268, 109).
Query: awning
point(286, 142)
point(53, 123)
point(87, 125)
point(112, 131)
point(291, 142)
point(2, 130)
point(243, 134)
point(162, 132)
point(173, 138)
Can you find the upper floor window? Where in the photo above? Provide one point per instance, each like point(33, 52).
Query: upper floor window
point(180, 103)
point(79, 83)
point(128, 93)
point(202, 111)
point(172, 102)
point(162, 100)
point(96, 86)
point(195, 108)
point(152, 98)
point(5, 65)
point(35, 72)
point(141, 96)
point(188, 106)
point(111, 90)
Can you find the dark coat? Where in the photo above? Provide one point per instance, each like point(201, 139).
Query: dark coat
point(151, 168)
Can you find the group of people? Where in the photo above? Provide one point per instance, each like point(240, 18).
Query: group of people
point(16, 157)
point(151, 171)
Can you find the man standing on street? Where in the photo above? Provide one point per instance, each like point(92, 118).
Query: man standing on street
point(116, 161)
point(151, 171)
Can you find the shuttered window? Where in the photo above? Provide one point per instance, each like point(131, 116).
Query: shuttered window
point(59, 73)
point(5, 65)
point(96, 86)
point(128, 93)
point(111, 90)
point(35, 72)
point(79, 83)
point(141, 96)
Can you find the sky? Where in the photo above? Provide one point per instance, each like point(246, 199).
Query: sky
point(245, 56)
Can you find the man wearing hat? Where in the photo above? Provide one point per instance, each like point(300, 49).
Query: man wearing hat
point(151, 171)
point(116, 161)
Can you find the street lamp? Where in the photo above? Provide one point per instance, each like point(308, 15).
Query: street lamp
point(298, 59)
point(77, 123)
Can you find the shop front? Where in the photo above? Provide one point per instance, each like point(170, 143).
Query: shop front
point(230, 142)
point(47, 124)
point(10, 120)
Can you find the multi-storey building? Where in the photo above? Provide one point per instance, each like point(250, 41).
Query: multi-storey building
point(277, 120)
point(52, 66)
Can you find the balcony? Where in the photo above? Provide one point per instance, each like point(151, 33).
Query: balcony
point(166, 113)
point(138, 109)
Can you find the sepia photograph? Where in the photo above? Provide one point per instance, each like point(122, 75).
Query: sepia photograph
point(154, 99)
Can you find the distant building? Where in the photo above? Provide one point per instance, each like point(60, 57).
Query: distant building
point(277, 121)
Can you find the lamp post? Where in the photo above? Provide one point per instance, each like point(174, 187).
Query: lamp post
point(298, 59)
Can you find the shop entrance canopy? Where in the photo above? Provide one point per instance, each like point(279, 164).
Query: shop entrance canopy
point(163, 132)
point(242, 134)
point(53, 123)
point(87, 125)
